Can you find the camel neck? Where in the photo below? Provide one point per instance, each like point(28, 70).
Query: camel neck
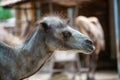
point(35, 53)
point(35, 41)
point(35, 45)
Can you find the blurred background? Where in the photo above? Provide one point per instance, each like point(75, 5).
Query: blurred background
point(18, 16)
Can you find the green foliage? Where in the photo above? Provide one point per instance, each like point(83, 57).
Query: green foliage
point(5, 14)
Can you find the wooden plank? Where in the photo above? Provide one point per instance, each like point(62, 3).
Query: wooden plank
point(68, 3)
point(11, 3)
point(114, 29)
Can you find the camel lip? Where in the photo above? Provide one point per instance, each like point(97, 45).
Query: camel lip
point(90, 49)
point(87, 49)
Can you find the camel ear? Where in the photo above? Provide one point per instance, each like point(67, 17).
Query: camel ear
point(45, 26)
point(68, 21)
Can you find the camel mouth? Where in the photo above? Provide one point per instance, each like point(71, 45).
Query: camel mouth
point(82, 48)
point(88, 49)
point(88, 46)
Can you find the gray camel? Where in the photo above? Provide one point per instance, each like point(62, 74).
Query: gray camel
point(52, 33)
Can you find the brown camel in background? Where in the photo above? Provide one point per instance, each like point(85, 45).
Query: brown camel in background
point(91, 26)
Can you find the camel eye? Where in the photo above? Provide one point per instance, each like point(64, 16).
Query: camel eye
point(66, 35)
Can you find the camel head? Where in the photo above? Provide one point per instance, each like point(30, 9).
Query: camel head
point(60, 36)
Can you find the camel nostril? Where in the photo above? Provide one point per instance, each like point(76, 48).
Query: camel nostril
point(89, 42)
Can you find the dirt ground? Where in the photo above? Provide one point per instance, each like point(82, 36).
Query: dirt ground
point(101, 75)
